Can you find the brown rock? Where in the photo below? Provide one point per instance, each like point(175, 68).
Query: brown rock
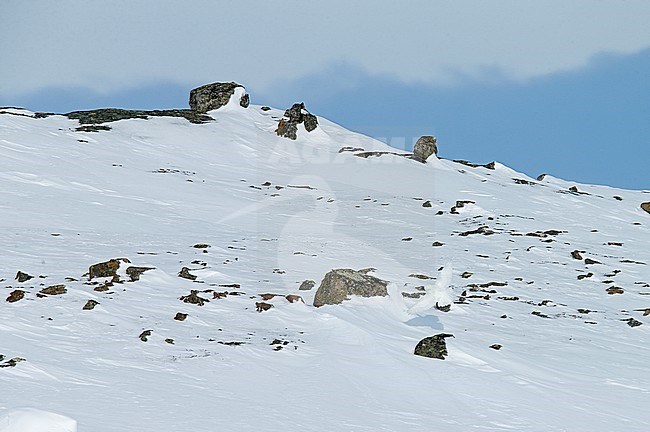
point(16, 295)
point(261, 306)
point(292, 298)
point(180, 316)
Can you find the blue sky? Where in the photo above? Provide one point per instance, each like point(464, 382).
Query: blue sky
point(556, 87)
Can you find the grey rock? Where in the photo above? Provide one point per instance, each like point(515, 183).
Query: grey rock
point(297, 114)
point(307, 285)
point(433, 346)
point(214, 96)
point(424, 147)
point(338, 284)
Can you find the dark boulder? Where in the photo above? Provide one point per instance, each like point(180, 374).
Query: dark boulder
point(433, 346)
point(297, 114)
point(338, 284)
point(22, 277)
point(213, 96)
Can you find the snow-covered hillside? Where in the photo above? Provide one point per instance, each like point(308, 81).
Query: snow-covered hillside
point(554, 273)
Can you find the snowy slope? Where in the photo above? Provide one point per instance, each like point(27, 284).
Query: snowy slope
point(148, 190)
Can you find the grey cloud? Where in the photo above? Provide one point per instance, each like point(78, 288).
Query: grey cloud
point(119, 44)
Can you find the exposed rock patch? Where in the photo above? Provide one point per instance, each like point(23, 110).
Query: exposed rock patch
point(193, 298)
point(90, 305)
point(185, 274)
point(54, 290)
point(94, 118)
point(338, 284)
point(490, 166)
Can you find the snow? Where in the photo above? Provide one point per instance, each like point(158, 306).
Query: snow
point(71, 199)
point(33, 420)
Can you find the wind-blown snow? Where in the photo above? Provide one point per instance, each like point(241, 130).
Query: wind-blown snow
point(149, 190)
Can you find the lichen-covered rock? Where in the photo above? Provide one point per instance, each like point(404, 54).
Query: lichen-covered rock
point(425, 147)
point(338, 284)
point(297, 114)
point(433, 346)
point(213, 96)
point(106, 269)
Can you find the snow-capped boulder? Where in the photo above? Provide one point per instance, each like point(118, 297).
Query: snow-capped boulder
point(297, 114)
point(424, 147)
point(338, 284)
point(213, 96)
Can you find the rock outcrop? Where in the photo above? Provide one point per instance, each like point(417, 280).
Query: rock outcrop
point(297, 114)
point(424, 147)
point(433, 346)
point(338, 284)
point(213, 96)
